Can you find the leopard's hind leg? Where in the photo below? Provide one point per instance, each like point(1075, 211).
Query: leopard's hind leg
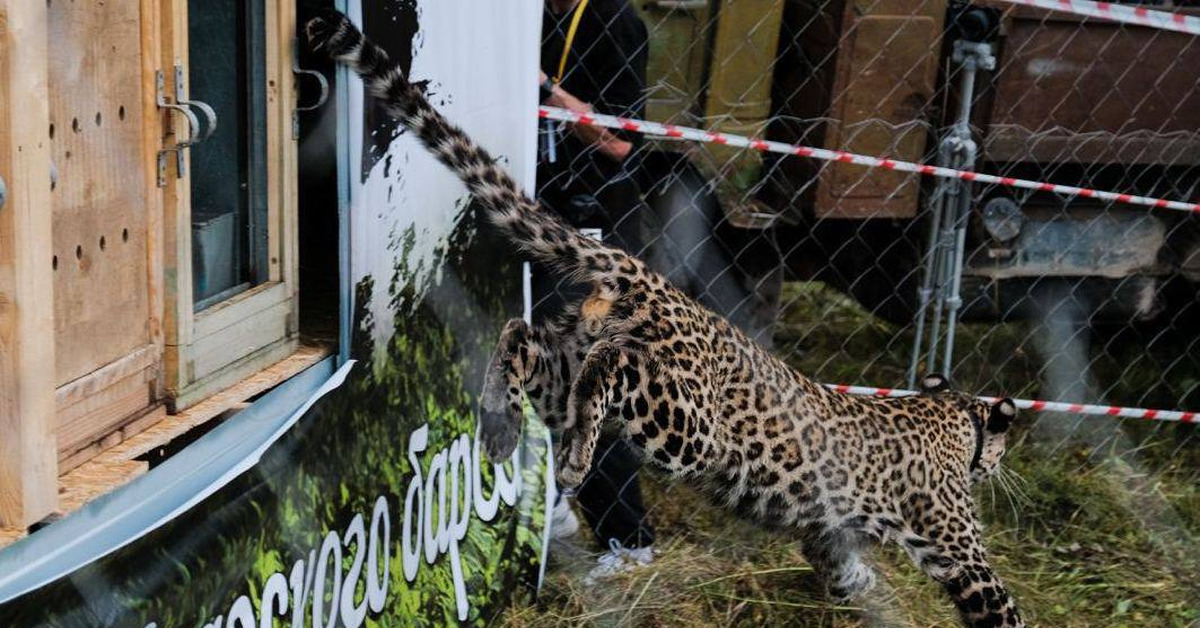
point(536, 360)
point(608, 373)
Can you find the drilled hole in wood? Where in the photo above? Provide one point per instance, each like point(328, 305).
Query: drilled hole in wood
point(78, 251)
point(98, 118)
point(103, 244)
point(54, 262)
point(124, 235)
point(75, 124)
point(51, 130)
point(121, 112)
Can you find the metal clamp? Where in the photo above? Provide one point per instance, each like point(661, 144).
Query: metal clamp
point(210, 116)
point(321, 81)
point(976, 54)
point(183, 106)
point(193, 129)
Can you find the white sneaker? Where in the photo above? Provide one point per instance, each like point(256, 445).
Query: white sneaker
point(563, 522)
point(619, 559)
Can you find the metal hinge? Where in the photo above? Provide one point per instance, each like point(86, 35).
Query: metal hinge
point(183, 106)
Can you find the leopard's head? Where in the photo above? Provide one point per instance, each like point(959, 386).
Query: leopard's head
point(990, 420)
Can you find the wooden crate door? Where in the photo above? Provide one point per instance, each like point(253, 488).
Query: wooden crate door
point(101, 200)
point(886, 71)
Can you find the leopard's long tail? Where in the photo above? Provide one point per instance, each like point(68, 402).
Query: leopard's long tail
point(539, 232)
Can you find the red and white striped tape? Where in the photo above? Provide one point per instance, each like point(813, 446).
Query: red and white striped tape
point(699, 135)
point(1140, 16)
point(767, 146)
point(1041, 406)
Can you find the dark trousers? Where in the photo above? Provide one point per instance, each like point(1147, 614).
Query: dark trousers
point(610, 495)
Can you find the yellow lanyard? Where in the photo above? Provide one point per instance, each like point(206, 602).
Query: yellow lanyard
point(562, 62)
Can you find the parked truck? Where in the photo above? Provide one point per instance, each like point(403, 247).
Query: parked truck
point(1070, 100)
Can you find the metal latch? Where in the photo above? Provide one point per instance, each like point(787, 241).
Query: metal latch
point(321, 81)
point(183, 106)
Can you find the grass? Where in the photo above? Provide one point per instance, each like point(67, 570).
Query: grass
point(1101, 530)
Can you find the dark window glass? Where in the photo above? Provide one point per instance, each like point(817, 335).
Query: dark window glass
point(227, 70)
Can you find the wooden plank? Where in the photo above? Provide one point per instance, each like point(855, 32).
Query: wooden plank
point(96, 416)
point(28, 465)
point(101, 308)
point(151, 143)
point(283, 151)
point(112, 439)
point(227, 314)
point(176, 425)
point(264, 328)
point(289, 157)
point(275, 114)
point(202, 389)
point(95, 382)
point(176, 201)
point(8, 535)
point(105, 466)
point(886, 70)
point(97, 478)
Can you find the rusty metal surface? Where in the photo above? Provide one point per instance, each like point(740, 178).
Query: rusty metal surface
point(886, 74)
point(1092, 92)
point(1080, 243)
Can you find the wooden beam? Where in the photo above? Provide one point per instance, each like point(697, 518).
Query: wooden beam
point(28, 460)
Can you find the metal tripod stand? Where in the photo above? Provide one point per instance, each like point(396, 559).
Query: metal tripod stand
point(939, 295)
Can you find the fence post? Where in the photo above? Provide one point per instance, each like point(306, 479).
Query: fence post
point(28, 455)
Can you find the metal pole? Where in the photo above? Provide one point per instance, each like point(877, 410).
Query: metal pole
point(955, 300)
point(973, 56)
point(925, 292)
point(939, 286)
point(940, 292)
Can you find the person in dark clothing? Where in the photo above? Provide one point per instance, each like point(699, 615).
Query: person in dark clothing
point(588, 176)
point(603, 70)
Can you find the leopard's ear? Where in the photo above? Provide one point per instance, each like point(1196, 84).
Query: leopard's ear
point(1002, 415)
point(934, 383)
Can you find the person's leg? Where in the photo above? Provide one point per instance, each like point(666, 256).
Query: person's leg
point(610, 496)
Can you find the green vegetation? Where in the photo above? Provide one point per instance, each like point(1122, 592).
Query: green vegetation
point(1100, 529)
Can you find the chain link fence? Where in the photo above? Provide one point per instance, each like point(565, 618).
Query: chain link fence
point(874, 276)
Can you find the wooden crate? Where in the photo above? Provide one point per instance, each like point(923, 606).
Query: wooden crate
point(104, 203)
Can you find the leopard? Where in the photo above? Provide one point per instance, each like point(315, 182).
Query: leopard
point(705, 404)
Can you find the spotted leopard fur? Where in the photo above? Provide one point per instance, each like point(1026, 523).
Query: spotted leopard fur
point(706, 404)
